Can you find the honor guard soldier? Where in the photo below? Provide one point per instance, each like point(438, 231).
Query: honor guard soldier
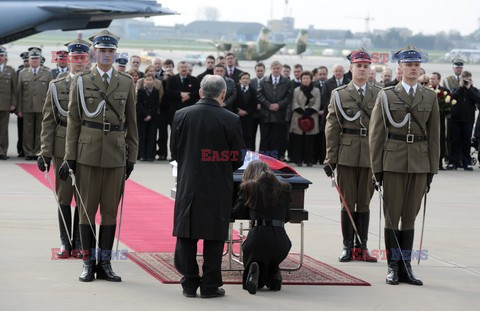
point(54, 128)
point(32, 90)
point(404, 150)
point(8, 100)
point(453, 81)
point(62, 64)
point(121, 64)
point(101, 149)
point(347, 132)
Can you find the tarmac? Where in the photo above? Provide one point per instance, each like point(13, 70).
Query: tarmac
point(31, 280)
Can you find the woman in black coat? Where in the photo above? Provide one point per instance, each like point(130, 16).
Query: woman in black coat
point(266, 201)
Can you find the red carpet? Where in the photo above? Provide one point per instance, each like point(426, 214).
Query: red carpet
point(312, 272)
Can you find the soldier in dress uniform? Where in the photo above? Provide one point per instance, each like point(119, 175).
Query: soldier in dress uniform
point(54, 128)
point(453, 81)
point(62, 63)
point(32, 91)
point(101, 149)
point(347, 132)
point(8, 100)
point(404, 150)
point(121, 64)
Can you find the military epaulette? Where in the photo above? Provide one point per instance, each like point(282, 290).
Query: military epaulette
point(376, 86)
point(341, 87)
point(83, 73)
point(125, 74)
point(426, 88)
point(60, 78)
point(389, 87)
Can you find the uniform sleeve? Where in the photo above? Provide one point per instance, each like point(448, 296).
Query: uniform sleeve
point(48, 127)
point(433, 132)
point(14, 89)
point(377, 134)
point(131, 125)
point(333, 129)
point(73, 123)
point(20, 93)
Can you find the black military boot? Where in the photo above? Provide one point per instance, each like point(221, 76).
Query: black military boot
point(76, 243)
point(392, 247)
point(405, 272)
point(362, 221)
point(88, 253)
point(65, 246)
point(105, 243)
point(347, 232)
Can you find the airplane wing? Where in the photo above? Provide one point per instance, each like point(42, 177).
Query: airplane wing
point(69, 15)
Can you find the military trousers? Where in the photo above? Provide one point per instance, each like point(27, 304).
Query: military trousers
point(356, 186)
point(4, 118)
point(403, 193)
point(64, 189)
point(99, 186)
point(32, 126)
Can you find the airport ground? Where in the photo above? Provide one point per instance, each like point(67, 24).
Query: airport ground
point(31, 280)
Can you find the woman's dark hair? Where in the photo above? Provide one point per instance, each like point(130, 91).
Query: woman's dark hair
point(260, 181)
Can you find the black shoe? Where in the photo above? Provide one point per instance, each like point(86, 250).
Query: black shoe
point(162, 158)
point(391, 246)
point(21, 155)
point(298, 164)
point(468, 167)
point(451, 167)
point(219, 292)
point(189, 294)
point(252, 279)
point(88, 271)
point(392, 276)
point(3, 157)
point(276, 282)
point(309, 164)
point(105, 272)
point(405, 272)
point(65, 231)
point(406, 275)
point(64, 251)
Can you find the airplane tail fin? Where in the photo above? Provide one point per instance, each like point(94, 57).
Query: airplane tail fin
point(302, 41)
point(263, 40)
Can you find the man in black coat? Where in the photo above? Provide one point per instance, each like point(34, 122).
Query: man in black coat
point(231, 70)
point(210, 64)
point(245, 106)
point(207, 143)
point(275, 96)
point(182, 89)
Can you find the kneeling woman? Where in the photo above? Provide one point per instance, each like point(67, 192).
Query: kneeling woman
point(265, 200)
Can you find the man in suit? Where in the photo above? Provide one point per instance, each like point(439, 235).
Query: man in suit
point(255, 82)
point(232, 71)
point(62, 65)
point(404, 150)
point(8, 100)
point(210, 64)
point(231, 94)
point(435, 79)
point(245, 106)
point(182, 89)
point(398, 78)
point(386, 76)
point(346, 134)
point(203, 204)
point(275, 95)
point(452, 82)
point(54, 128)
point(157, 62)
point(101, 149)
point(32, 91)
point(135, 62)
point(319, 148)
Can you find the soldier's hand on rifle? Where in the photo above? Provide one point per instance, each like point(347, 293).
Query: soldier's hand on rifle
point(129, 169)
point(64, 170)
point(329, 168)
point(43, 163)
point(377, 180)
point(429, 181)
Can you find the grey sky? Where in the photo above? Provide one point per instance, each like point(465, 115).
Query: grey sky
point(428, 18)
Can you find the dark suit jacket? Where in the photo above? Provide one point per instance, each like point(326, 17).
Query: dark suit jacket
point(203, 74)
point(236, 74)
point(147, 104)
point(204, 194)
point(231, 94)
point(246, 100)
point(268, 94)
point(328, 87)
point(175, 86)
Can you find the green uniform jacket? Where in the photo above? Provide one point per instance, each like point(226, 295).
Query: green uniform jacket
point(349, 149)
point(450, 83)
point(399, 156)
point(31, 90)
point(53, 132)
point(8, 87)
point(94, 147)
